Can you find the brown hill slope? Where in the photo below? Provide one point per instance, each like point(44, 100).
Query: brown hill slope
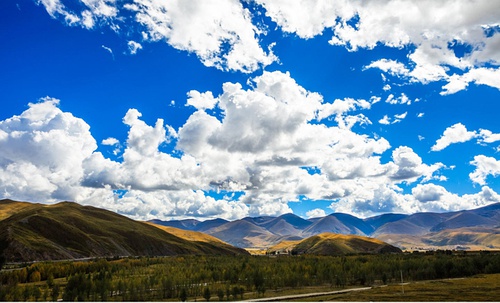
point(68, 230)
point(337, 244)
point(10, 207)
point(195, 236)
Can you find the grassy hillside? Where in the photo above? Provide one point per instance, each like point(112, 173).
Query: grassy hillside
point(68, 230)
point(9, 207)
point(335, 244)
point(195, 236)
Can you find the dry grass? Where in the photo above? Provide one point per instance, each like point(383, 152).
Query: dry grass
point(8, 208)
point(285, 245)
point(478, 288)
point(187, 234)
point(256, 251)
point(333, 236)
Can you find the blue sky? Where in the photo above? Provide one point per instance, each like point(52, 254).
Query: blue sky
point(205, 109)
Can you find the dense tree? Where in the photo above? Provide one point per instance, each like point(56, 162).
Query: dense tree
point(2, 261)
point(152, 279)
point(220, 294)
point(55, 292)
point(183, 295)
point(35, 276)
point(206, 294)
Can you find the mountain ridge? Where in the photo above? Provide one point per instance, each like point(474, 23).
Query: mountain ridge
point(412, 229)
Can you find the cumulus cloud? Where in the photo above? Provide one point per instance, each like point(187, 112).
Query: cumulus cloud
point(133, 47)
point(266, 145)
point(341, 108)
point(487, 136)
point(201, 100)
point(485, 166)
point(423, 198)
point(428, 192)
point(225, 35)
point(456, 133)
point(391, 67)
point(437, 198)
point(220, 33)
point(110, 141)
point(432, 28)
point(204, 28)
point(42, 153)
point(93, 11)
point(386, 120)
point(408, 166)
point(403, 99)
point(276, 117)
point(316, 213)
point(481, 75)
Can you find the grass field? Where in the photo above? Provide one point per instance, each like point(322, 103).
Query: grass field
point(477, 288)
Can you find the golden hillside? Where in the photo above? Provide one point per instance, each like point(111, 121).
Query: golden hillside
point(334, 244)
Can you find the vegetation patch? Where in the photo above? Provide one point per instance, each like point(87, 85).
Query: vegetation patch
point(240, 277)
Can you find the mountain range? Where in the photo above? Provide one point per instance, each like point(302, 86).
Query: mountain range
point(467, 229)
point(67, 230)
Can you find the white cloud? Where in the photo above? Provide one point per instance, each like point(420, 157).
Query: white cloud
point(485, 166)
point(204, 28)
point(454, 134)
point(110, 141)
point(432, 27)
point(424, 198)
point(201, 100)
point(437, 199)
point(109, 50)
point(56, 8)
point(340, 108)
point(220, 33)
point(392, 67)
point(133, 47)
point(258, 146)
point(385, 120)
point(408, 166)
point(268, 167)
point(316, 213)
point(487, 136)
point(403, 99)
point(93, 11)
point(458, 133)
point(397, 118)
point(42, 153)
point(401, 116)
point(485, 76)
point(428, 192)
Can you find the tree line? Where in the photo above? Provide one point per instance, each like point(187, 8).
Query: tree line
point(227, 277)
